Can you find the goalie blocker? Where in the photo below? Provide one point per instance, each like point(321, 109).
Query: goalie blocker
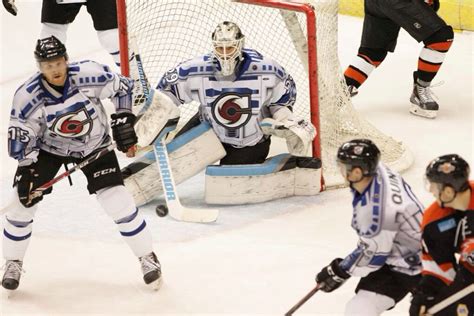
point(278, 177)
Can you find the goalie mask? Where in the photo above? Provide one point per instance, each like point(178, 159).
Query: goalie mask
point(227, 42)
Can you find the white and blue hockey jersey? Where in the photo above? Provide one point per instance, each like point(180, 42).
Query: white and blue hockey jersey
point(387, 217)
point(72, 123)
point(234, 106)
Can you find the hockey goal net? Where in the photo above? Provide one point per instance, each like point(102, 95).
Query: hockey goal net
point(302, 37)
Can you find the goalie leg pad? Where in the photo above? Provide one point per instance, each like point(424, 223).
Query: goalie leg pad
point(278, 177)
point(189, 153)
point(153, 117)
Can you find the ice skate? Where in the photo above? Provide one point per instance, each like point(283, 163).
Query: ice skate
point(151, 269)
point(353, 91)
point(423, 103)
point(11, 277)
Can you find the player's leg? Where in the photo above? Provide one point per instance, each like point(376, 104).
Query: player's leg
point(246, 155)
point(105, 179)
point(56, 18)
point(423, 24)
point(379, 36)
point(380, 291)
point(104, 16)
point(19, 221)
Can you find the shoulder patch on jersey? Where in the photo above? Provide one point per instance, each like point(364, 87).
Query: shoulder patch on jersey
point(446, 224)
point(171, 76)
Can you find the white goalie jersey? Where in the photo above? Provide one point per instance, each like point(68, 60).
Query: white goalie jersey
point(387, 218)
point(71, 123)
point(235, 107)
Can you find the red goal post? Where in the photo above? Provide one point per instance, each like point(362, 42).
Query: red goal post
point(300, 35)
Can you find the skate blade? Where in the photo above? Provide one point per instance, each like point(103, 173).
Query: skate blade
point(156, 285)
point(416, 110)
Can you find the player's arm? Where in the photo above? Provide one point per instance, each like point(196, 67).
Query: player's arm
point(26, 123)
point(370, 255)
point(297, 131)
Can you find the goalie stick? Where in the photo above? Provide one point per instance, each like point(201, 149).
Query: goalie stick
point(175, 208)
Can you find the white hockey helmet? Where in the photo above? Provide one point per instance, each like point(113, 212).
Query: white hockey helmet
point(227, 42)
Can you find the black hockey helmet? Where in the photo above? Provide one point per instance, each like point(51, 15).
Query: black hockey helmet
point(449, 170)
point(49, 48)
point(362, 153)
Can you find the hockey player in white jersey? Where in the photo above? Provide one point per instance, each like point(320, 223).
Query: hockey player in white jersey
point(237, 89)
point(387, 218)
point(57, 118)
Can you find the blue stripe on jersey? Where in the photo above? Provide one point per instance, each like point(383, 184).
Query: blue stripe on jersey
point(378, 260)
point(16, 238)
point(73, 108)
point(214, 92)
point(271, 165)
point(186, 72)
point(34, 83)
point(16, 149)
point(412, 196)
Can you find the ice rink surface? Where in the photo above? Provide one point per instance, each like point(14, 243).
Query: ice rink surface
point(255, 260)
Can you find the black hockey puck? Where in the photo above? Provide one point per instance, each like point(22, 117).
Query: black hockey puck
point(161, 210)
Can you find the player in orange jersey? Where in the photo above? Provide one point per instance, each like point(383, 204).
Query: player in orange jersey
point(382, 22)
point(447, 230)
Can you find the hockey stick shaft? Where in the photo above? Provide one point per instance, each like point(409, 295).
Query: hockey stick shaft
point(303, 300)
point(450, 300)
point(38, 191)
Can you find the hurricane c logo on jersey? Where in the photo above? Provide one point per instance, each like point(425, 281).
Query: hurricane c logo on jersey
point(232, 110)
point(73, 124)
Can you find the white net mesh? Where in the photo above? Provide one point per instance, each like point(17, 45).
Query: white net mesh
point(168, 32)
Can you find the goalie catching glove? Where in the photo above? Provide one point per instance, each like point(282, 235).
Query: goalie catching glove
point(122, 130)
point(298, 132)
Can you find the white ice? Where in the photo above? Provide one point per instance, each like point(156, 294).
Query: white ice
point(255, 260)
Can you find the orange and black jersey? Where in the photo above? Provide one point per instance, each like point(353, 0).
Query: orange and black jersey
point(445, 232)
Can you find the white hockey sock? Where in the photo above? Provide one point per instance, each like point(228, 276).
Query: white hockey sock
point(58, 30)
point(17, 230)
point(118, 204)
point(110, 41)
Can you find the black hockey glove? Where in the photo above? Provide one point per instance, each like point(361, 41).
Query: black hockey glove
point(332, 276)
point(424, 295)
point(123, 131)
point(10, 6)
point(25, 183)
point(435, 5)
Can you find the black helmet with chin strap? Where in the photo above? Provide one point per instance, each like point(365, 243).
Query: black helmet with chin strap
point(449, 170)
point(362, 153)
point(49, 48)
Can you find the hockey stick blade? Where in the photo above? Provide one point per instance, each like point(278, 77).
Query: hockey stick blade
point(175, 208)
